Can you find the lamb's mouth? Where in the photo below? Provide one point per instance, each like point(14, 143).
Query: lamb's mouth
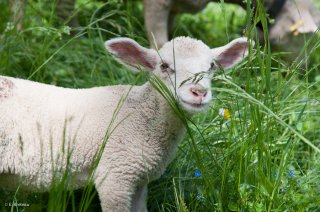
point(195, 105)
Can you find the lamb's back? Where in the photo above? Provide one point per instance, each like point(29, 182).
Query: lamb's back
point(42, 123)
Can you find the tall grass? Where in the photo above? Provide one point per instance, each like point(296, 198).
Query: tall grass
point(252, 161)
point(263, 158)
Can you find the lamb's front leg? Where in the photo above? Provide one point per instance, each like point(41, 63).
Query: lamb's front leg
point(115, 192)
point(139, 200)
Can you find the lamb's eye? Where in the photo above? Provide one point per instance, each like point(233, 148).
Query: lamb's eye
point(164, 66)
point(213, 66)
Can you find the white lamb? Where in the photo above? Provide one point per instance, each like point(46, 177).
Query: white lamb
point(39, 123)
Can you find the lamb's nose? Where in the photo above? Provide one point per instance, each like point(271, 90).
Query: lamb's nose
point(198, 91)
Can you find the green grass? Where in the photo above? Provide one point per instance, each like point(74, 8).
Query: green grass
point(262, 159)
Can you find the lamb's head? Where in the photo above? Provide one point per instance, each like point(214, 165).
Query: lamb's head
point(184, 64)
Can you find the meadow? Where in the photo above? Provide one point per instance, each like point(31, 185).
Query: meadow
point(262, 154)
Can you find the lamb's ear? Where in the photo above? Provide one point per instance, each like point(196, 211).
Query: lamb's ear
point(232, 53)
point(131, 54)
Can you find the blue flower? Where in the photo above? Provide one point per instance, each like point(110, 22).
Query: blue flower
point(200, 197)
point(197, 173)
point(275, 175)
point(282, 190)
point(291, 173)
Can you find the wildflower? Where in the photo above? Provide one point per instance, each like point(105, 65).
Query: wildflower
point(66, 30)
point(225, 113)
point(315, 102)
point(9, 27)
point(200, 197)
point(197, 173)
point(275, 175)
point(291, 173)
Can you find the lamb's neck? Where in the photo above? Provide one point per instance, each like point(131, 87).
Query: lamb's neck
point(155, 110)
point(164, 129)
point(161, 103)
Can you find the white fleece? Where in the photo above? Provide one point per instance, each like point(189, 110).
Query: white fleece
point(37, 121)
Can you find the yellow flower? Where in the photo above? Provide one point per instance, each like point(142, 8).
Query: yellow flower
point(225, 113)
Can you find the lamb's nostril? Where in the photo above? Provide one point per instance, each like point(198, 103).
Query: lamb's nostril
point(195, 93)
point(204, 94)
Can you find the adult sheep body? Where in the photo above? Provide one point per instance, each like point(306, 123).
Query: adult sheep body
point(291, 17)
point(45, 129)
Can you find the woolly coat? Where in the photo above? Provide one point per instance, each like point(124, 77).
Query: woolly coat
point(41, 126)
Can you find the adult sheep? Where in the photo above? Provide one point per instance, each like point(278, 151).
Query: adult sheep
point(291, 17)
point(39, 123)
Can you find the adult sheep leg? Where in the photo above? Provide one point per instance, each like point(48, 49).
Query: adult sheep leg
point(17, 10)
point(156, 15)
point(65, 10)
